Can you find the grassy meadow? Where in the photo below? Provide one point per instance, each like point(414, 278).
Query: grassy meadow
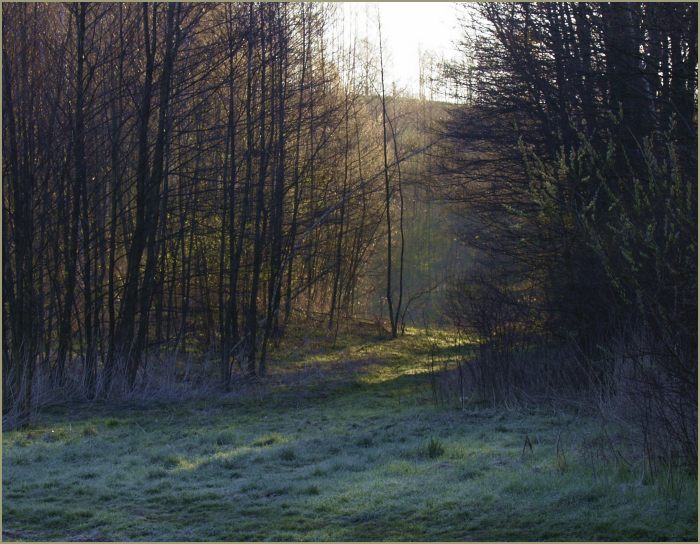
point(343, 442)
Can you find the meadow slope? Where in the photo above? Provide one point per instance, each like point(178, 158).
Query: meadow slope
point(344, 442)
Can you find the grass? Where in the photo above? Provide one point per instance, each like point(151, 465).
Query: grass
point(344, 443)
point(435, 448)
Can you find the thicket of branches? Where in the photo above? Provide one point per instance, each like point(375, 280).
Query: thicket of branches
point(182, 176)
point(575, 166)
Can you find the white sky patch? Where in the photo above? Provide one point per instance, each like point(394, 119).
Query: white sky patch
point(407, 29)
point(411, 27)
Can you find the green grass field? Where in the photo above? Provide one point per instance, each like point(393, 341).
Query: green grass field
point(344, 442)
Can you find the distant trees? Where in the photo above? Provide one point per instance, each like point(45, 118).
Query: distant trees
point(576, 162)
point(177, 177)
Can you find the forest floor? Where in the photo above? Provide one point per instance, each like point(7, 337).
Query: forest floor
point(344, 442)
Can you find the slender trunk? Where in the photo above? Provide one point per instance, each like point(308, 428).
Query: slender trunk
point(90, 355)
point(252, 313)
point(125, 338)
point(387, 194)
point(277, 197)
point(296, 185)
point(339, 245)
point(395, 320)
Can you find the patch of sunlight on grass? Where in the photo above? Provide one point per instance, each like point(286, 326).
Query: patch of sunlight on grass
point(403, 468)
point(269, 439)
point(187, 464)
point(228, 454)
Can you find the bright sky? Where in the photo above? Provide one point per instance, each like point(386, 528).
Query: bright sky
point(407, 29)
